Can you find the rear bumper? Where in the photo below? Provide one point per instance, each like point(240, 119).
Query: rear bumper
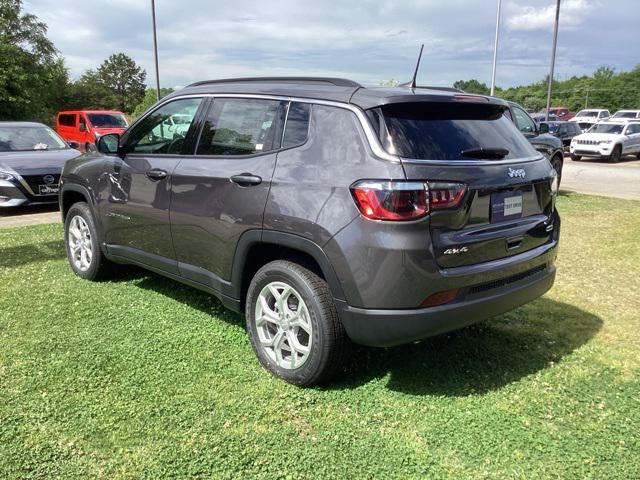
point(385, 328)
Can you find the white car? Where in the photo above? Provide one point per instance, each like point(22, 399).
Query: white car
point(626, 116)
point(589, 117)
point(608, 140)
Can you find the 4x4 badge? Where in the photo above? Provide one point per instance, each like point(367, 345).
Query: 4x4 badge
point(516, 173)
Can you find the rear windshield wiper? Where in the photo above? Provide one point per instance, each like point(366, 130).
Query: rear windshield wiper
point(488, 153)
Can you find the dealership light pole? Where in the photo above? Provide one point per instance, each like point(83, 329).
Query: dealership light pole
point(155, 48)
point(553, 57)
point(495, 51)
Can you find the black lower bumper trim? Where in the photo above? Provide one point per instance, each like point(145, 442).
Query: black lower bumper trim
point(386, 328)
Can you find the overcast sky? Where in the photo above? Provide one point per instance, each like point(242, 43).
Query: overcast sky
point(366, 40)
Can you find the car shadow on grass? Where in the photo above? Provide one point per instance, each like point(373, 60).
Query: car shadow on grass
point(475, 360)
point(179, 292)
point(36, 252)
point(480, 358)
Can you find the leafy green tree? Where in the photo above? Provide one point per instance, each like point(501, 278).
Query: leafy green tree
point(33, 77)
point(472, 86)
point(123, 79)
point(149, 99)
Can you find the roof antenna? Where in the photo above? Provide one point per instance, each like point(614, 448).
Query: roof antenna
point(412, 83)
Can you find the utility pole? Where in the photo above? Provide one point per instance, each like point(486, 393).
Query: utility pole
point(495, 51)
point(586, 100)
point(155, 48)
point(553, 56)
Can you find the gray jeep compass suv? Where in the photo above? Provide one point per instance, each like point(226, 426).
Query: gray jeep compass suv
point(325, 211)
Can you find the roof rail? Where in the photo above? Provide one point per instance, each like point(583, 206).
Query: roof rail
point(443, 89)
point(338, 82)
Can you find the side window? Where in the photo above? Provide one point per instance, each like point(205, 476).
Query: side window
point(159, 133)
point(241, 126)
point(82, 123)
point(67, 120)
point(633, 129)
point(523, 121)
point(297, 126)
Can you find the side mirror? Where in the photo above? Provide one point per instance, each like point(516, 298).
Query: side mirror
point(74, 145)
point(109, 144)
point(543, 128)
point(82, 127)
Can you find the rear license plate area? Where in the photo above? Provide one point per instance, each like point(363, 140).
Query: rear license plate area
point(506, 206)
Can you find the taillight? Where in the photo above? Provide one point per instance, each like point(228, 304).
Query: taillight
point(404, 200)
point(446, 195)
point(384, 200)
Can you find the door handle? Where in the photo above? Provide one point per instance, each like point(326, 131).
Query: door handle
point(246, 179)
point(156, 174)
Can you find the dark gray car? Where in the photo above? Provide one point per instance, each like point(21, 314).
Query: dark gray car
point(31, 160)
point(325, 211)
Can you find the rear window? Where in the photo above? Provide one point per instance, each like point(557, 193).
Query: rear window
point(442, 131)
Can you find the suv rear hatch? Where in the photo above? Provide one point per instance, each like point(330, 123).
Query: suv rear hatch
point(508, 202)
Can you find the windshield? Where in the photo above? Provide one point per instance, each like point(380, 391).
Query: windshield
point(607, 128)
point(107, 120)
point(587, 113)
point(624, 115)
point(27, 138)
point(443, 131)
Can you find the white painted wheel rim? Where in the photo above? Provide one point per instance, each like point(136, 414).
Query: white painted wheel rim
point(284, 326)
point(80, 247)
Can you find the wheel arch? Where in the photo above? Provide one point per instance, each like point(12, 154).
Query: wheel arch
point(257, 248)
point(71, 194)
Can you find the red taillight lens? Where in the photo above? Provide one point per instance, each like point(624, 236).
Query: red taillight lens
point(445, 195)
point(404, 200)
point(383, 200)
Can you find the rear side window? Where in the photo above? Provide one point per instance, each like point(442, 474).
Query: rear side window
point(443, 131)
point(241, 126)
point(67, 119)
point(297, 126)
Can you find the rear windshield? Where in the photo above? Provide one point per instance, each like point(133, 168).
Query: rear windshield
point(443, 131)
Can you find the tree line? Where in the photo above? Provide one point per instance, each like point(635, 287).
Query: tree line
point(605, 88)
point(35, 83)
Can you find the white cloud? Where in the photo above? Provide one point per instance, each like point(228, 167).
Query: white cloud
point(572, 14)
point(367, 40)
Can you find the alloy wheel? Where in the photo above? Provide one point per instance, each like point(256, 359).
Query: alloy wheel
point(80, 246)
point(283, 324)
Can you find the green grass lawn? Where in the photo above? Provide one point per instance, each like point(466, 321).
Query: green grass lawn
point(144, 377)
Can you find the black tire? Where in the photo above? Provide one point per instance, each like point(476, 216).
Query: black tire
point(576, 158)
point(87, 147)
point(556, 163)
point(329, 343)
point(99, 267)
point(615, 154)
